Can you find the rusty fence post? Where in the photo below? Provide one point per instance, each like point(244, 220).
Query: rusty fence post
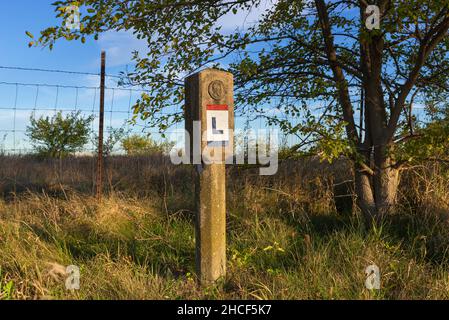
point(99, 183)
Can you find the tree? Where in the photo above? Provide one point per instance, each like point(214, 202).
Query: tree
point(298, 55)
point(114, 136)
point(136, 145)
point(59, 136)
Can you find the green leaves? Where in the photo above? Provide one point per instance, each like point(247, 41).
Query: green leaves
point(280, 62)
point(31, 43)
point(114, 136)
point(144, 145)
point(430, 142)
point(59, 136)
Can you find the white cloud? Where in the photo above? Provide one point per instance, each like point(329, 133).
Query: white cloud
point(245, 18)
point(119, 46)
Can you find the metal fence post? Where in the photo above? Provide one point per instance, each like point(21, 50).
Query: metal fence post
point(101, 129)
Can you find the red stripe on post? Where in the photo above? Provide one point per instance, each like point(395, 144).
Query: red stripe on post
point(217, 107)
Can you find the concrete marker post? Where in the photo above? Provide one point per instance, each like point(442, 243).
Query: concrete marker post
point(210, 102)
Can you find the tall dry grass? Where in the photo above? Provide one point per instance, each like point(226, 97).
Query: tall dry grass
point(295, 235)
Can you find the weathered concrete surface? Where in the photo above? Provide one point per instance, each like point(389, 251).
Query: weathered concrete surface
point(210, 180)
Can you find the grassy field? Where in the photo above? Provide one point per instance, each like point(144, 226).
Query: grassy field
point(291, 236)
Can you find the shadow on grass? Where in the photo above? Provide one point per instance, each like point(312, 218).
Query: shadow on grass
point(170, 256)
point(419, 238)
point(425, 237)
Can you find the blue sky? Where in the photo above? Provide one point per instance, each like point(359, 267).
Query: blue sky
point(26, 15)
point(20, 16)
point(17, 102)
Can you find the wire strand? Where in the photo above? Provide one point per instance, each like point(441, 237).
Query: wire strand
point(49, 85)
point(58, 71)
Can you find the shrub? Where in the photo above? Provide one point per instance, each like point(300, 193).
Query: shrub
point(113, 137)
point(142, 145)
point(59, 136)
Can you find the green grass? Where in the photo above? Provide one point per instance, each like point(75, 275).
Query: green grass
point(126, 250)
point(285, 241)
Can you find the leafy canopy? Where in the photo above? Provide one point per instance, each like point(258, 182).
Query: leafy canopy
point(311, 60)
point(137, 145)
point(114, 136)
point(59, 136)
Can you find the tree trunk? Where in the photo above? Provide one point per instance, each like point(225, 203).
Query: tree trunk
point(364, 193)
point(385, 182)
point(377, 191)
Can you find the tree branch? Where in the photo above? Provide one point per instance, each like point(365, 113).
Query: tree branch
point(430, 41)
point(341, 83)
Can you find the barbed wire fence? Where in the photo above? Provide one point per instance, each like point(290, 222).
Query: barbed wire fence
point(15, 116)
point(62, 91)
point(21, 100)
